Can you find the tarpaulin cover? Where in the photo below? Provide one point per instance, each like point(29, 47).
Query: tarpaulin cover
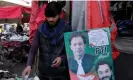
point(99, 16)
point(26, 10)
point(10, 12)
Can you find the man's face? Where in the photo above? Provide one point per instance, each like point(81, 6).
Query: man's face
point(77, 46)
point(52, 20)
point(104, 72)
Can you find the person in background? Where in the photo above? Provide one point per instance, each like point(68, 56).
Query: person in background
point(19, 28)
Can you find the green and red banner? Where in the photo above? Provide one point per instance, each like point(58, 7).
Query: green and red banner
point(89, 54)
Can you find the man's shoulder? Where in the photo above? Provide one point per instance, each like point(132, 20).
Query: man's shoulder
point(71, 61)
point(68, 28)
point(41, 26)
point(70, 58)
point(66, 22)
point(89, 56)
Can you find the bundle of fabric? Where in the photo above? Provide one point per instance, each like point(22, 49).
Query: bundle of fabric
point(19, 38)
point(125, 27)
point(6, 75)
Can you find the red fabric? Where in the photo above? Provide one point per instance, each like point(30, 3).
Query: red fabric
point(10, 12)
point(75, 77)
point(63, 15)
point(26, 10)
point(38, 17)
point(34, 11)
point(94, 20)
point(33, 25)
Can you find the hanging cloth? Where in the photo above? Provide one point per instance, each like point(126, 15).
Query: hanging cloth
point(99, 16)
point(78, 15)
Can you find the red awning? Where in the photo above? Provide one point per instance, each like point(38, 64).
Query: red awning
point(10, 12)
point(13, 12)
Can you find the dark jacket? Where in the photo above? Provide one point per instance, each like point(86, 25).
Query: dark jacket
point(51, 46)
point(87, 63)
point(19, 28)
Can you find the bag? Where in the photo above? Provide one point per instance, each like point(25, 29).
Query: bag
point(125, 28)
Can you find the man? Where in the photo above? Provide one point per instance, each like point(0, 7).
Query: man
point(49, 39)
point(103, 69)
point(19, 28)
point(81, 63)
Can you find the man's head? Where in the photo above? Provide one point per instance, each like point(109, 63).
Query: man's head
point(77, 44)
point(103, 69)
point(52, 12)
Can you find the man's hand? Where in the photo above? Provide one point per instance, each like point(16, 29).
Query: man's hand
point(27, 71)
point(57, 62)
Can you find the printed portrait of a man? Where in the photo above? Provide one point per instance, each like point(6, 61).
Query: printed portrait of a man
point(104, 70)
point(86, 61)
point(81, 62)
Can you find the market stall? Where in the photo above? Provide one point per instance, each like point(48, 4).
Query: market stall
point(14, 43)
